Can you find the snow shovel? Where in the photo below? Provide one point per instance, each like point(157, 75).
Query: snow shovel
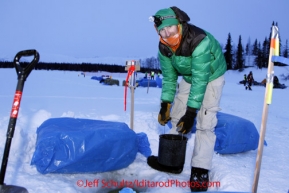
point(22, 73)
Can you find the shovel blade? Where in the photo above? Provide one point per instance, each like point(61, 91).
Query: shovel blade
point(12, 189)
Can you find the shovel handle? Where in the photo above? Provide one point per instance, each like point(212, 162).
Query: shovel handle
point(24, 72)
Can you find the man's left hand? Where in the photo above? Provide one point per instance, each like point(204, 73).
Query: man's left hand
point(186, 123)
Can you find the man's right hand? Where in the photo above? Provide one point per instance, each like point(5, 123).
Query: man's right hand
point(164, 115)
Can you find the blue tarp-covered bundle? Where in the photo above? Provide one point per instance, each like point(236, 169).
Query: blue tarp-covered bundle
point(147, 83)
point(234, 134)
point(96, 77)
point(280, 59)
point(159, 82)
point(100, 78)
point(69, 145)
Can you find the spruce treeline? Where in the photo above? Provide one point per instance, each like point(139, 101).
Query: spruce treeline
point(238, 58)
point(83, 67)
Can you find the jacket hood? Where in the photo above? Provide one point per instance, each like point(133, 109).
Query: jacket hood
point(181, 15)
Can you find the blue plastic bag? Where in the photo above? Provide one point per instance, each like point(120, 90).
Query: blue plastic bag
point(233, 134)
point(69, 145)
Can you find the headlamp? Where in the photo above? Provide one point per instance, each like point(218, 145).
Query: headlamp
point(158, 19)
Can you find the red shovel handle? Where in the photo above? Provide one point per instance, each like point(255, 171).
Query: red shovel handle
point(22, 73)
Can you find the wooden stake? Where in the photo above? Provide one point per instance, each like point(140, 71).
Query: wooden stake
point(267, 99)
point(132, 84)
point(132, 107)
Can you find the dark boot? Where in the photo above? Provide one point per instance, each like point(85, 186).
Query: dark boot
point(199, 180)
point(171, 155)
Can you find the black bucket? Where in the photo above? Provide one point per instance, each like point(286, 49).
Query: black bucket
point(172, 150)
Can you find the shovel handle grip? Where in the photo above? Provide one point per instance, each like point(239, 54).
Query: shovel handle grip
point(24, 72)
point(27, 53)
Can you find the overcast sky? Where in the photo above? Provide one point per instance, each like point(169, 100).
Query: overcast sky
point(120, 28)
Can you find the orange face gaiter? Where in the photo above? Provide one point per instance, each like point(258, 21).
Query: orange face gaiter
point(173, 41)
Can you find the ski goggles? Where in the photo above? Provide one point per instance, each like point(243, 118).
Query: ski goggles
point(158, 19)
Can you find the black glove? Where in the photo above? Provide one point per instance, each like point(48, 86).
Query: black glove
point(186, 123)
point(164, 114)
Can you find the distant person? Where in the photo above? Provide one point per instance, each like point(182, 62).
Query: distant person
point(276, 81)
point(149, 75)
point(146, 75)
point(194, 54)
point(152, 75)
point(245, 80)
point(250, 80)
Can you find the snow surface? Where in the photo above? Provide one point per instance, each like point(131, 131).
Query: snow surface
point(51, 94)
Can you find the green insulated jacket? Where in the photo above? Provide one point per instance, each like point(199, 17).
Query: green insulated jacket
point(199, 59)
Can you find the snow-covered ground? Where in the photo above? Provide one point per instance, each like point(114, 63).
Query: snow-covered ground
point(51, 94)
